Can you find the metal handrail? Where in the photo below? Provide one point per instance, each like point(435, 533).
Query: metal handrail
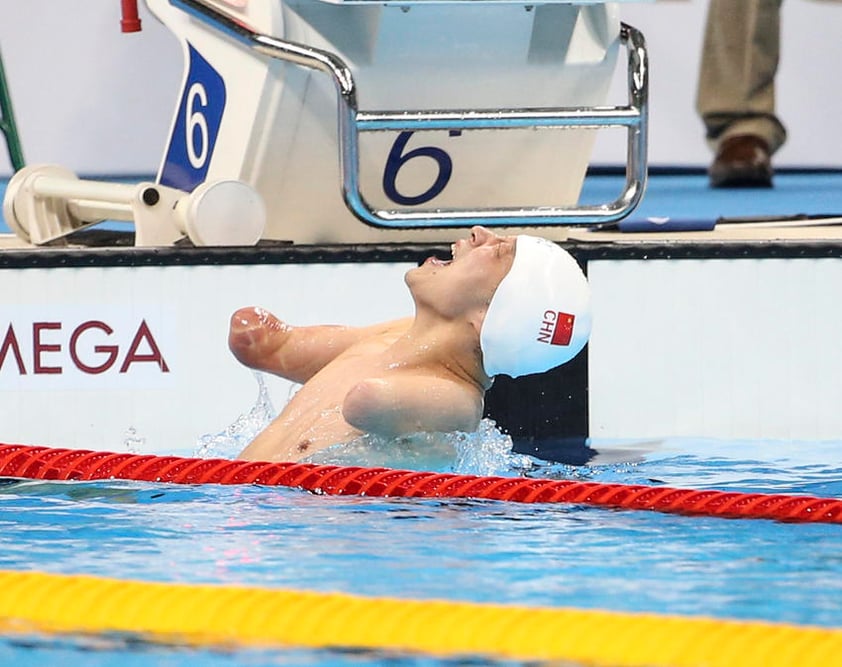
point(351, 122)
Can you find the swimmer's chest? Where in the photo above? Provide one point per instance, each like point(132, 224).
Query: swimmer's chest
point(376, 356)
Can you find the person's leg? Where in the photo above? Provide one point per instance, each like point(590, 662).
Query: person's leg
point(736, 91)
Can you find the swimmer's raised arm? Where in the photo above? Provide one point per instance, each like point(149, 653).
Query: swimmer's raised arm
point(263, 342)
point(411, 404)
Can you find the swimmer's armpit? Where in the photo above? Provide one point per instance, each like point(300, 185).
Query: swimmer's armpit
point(397, 406)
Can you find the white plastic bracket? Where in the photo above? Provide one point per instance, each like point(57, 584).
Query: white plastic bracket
point(44, 203)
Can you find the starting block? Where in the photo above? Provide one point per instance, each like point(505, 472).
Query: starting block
point(369, 121)
point(360, 121)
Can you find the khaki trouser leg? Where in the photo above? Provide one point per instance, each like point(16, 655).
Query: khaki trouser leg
point(736, 93)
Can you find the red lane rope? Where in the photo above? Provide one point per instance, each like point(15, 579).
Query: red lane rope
point(50, 463)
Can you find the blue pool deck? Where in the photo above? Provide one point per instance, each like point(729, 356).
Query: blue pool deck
point(682, 194)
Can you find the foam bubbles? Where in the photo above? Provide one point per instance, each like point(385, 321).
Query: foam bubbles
point(486, 451)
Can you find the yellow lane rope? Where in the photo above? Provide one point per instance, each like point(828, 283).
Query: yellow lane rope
point(251, 616)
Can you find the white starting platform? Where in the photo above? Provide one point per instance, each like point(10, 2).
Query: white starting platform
point(364, 122)
point(321, 148)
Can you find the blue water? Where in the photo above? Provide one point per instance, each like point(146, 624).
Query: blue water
point(483, 551)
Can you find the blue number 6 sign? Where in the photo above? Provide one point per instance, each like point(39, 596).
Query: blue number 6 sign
point(196, 126)
point(397, 159)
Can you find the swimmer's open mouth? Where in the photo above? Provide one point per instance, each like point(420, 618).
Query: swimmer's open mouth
point(443, 262)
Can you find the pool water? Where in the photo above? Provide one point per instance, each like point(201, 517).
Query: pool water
point(472, 550)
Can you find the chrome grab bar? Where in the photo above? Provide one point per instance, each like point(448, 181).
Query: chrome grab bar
point(351, 122)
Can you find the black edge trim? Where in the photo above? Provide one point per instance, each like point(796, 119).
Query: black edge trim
point(393, 252)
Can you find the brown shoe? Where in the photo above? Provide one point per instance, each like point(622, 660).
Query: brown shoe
point(742, 161)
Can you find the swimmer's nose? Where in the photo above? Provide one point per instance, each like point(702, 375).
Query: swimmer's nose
point(480, 235)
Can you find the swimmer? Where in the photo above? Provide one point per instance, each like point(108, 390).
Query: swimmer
point(511, 305)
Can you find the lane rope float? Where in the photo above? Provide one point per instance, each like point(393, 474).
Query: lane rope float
point(216, 615)
point(31, 462)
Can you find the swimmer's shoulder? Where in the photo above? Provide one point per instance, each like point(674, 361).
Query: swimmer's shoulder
point(374, 338)
point(392, 328)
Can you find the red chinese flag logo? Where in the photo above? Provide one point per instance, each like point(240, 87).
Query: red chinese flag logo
point(563, 329)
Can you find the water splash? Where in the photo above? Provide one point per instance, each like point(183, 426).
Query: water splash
point(486, 451)
point(230, 442)
point(132, 442)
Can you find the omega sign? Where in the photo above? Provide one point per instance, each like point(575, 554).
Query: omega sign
point(66, 347)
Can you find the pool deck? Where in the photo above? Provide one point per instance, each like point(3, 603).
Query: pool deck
point(680, 195)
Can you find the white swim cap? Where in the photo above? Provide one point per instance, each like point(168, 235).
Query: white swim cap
point(539, 317)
